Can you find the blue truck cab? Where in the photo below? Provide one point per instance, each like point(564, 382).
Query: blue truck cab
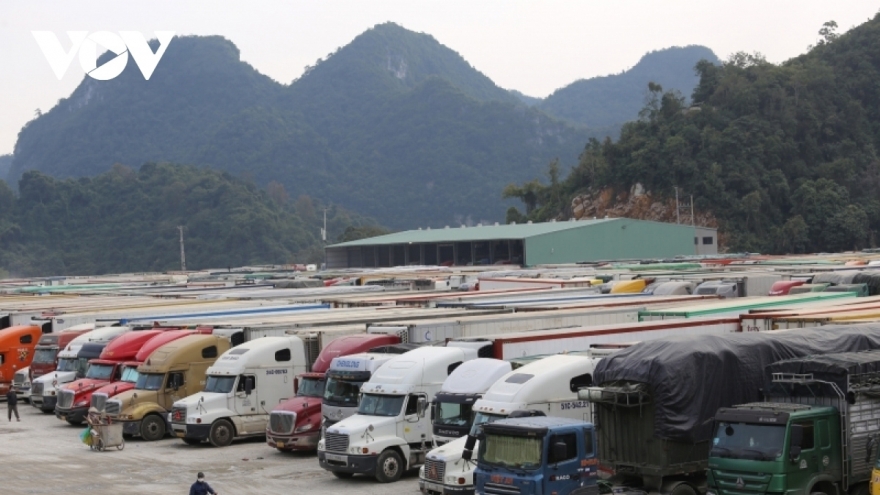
point(538, 455)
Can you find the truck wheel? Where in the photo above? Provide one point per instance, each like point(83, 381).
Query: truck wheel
point(221, 433)
point(152, 428)
point(683, 489)
point(341, 475)
point(389, 467)
point(860, 489)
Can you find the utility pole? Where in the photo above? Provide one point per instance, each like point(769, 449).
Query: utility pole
point(182, 253)
point(677, 207)
point(324, 239)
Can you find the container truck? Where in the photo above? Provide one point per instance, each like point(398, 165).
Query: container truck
point(654, 402)
point(815, 432)
point(172, 372)
point(391, 432)
point(453, 405)
point(241, 387)
point(537, 455)
point(46, 358)
point(71, 365)
point(75, 397)
point(345, 378)
point(17, 346)
point(295, 424)
point(742, 286)
point(549, 386)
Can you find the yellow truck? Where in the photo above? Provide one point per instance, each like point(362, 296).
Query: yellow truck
point(172, 372)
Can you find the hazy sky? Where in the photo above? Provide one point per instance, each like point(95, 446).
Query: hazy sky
point(534, 46)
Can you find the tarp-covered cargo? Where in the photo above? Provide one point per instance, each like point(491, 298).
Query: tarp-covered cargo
point(840, 369)
point(872, 278)
point(836, 278)
point(689, 378)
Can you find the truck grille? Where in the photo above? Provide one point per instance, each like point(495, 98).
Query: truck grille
point(37, 389)
point(112, 408)
point(335, 442)
point(19, 379)
point(178, 414)
point(282, 423)
point(497, 489)
point(434, 470)
point(98, 401)
point(65, 399)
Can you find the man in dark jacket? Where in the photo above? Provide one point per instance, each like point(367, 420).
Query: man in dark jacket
point(12, 404)
point(201, 487)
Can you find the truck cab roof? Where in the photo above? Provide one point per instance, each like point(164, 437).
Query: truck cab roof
point(350, 344)
point(768, 413)
point(539, 425)
point(127, 345)
point(262, 352)
point(192, 348)
point(103, 334)
point(158, 341)
point(475, 376)
point(403, 372)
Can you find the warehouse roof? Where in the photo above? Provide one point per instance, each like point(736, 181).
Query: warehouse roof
point(485, 232)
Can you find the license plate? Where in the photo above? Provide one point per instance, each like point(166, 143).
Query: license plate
point(279, 445)
point(337, 458)
point(434, 487)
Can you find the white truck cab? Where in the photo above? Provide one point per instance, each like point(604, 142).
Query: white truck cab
point(549, 385)
point(453, 404)
point(345, 377)
point(45, 389)
point(241, 388)
point(391, 432)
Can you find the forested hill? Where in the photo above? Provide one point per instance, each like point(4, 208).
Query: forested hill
point(5, 165)
point(126, 220)
point(615, 99)
point(784, 156)
point(394, 126)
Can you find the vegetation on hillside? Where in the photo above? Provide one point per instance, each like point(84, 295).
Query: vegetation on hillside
point(785, 156)
point(126, 220)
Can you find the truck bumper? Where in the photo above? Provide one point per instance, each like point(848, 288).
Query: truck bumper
point(433, 488)
point(24, 394)
point(131, 428)
point(354, 464)
point(45, 403)
point(72, 415)
point(195, 432)
point(302, 442)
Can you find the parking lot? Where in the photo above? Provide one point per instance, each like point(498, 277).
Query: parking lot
point(41, 454)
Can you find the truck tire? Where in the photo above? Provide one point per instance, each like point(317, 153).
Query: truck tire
point(860, 489)
point(389, 467)
point(221, 433)
point(341, 475)
point(152, 428)
point(683, 489)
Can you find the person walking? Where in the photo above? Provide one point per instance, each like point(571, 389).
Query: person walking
point(12, 404)
point(201, 487)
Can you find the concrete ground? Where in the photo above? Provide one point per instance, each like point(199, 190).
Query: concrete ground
point(42, 454)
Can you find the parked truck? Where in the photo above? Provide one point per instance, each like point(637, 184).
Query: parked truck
point(45, 358)
point(391, 432)
point(295, 424)
point(172, 372)
point(241, 388)
point(816, 431)
point(75, 397)
point(654, 402)
point(17, 346)
point(453, 412)
point(549, 385)
point(72, 363)
point(537, 455)
point(739, 286)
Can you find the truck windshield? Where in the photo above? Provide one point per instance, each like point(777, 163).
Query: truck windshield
point(220, 384)
point(381, 405)
point(130, 374)
point(482, 418)
point(82, 364)
point(311, 387)
point(511, 451)
point(45, 356)
point(748, 441)
point(100, 371)
point(66, 364)
point(450, 414)
point(341, 393)
point(150, 381)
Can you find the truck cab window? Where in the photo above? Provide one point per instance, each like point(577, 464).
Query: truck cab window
point(2, 359)
point(26, 339)
point(570, 441)
point(282, 356)
point(412, 405)
point(243, 380)
point(588, 441)
point(175, 380)
point(580, 382)
point(809, 434)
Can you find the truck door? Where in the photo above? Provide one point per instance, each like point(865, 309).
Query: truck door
point(563, 465)
point(174, 389)
point(415, 428)
point(808, 463)
point(246, 401)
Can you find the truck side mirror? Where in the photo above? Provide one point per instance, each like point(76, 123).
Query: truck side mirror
point(422, 406)
point(248, 386)
point(559, 451)
point(796, 441)
point(469, 445)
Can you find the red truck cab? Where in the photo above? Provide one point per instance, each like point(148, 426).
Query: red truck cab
point(782, 287)
point(46, 354)
point(17, 346)
point(129, 374)
point(295, 424)
point(75, 397)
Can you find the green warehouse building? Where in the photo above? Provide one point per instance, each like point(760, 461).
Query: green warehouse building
point(526, 244)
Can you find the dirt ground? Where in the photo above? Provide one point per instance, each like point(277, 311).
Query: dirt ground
point(41, 455)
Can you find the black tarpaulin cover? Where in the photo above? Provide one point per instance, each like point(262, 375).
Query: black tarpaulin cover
point(690, 377)
point(835, 368)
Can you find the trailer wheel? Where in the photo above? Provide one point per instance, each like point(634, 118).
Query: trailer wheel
point(389, 467)
point(221, 433)
point(683, 489)
point(153, 428)
point(341, 475)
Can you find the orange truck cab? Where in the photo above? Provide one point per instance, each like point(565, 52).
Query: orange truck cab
point(17, 346)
